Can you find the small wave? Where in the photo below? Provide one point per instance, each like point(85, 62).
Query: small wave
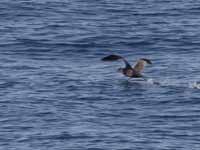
point(155, 82)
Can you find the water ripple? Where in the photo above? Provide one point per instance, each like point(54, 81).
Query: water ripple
point(56, 93)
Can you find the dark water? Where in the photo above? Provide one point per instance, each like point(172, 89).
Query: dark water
point(56, 94)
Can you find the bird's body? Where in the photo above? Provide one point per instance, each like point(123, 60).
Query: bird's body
point(128, 70)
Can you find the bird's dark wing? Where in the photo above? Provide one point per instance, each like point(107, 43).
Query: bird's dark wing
point(116, 57)
point(111, 58)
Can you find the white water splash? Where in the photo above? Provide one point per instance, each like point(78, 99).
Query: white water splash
point(150, 81)
point(194, 85)
point(175, 83)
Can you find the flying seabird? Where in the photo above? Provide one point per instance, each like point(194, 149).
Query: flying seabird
point(129, 71)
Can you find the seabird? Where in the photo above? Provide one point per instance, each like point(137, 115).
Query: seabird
point(129, 71)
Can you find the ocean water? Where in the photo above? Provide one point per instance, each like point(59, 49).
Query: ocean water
point(57, 94)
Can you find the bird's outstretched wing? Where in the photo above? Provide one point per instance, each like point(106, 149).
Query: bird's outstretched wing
point(116, 57)
point(139, 67)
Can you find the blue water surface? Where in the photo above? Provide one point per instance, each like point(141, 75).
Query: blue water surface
point(57, 94)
